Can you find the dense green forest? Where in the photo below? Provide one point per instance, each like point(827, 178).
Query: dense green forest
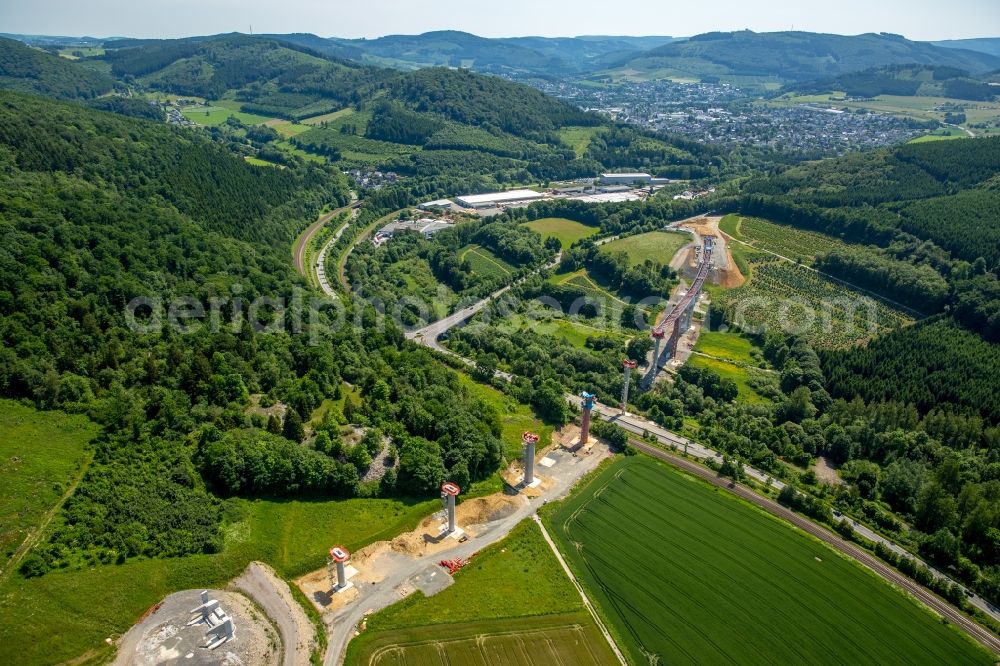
point(26, 69)
point(411, 266)
point(97, 209)
point(906, 80)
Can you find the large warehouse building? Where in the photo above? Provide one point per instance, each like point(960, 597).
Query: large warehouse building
point(495, 199)
point(625, 178)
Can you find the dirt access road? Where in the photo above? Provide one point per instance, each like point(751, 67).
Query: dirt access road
point(260, 583)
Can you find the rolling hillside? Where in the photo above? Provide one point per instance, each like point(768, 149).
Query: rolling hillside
point(25, 69)
point(543, 56)
point(793, 56)
point(990, 45)
point(906, 81)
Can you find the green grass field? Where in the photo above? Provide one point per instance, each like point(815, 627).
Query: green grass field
point(732, 347)
point(733, 371)
point(256, 161)
point(578, 138)
point(515, 418)
point(567, 231)
point(660, 246)
point(484, 262)
point(219, 112)
point(68, 613)
point(512, 602)
point(687, 573)
point(795, 244)
point(573, 332)
point(41, 455)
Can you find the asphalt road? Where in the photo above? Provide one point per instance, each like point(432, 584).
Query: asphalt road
point(341, 624)
point(299, 251)
point(637, 425)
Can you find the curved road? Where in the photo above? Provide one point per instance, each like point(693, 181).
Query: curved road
point(299, 250)
point(638, 425)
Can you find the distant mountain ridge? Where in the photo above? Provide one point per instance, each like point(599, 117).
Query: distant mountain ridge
point(740, 57)
point(990, 45)
point(796, 56)
point(537, 55)
point(30, 70)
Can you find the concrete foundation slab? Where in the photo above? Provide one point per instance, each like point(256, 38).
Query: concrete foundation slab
point(457, 534)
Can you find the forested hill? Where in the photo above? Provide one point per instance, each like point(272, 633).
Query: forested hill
point(799, 56)
point(97, 209)
point(27, 69)
point(277, 77)
point(931, 209)
point(906, 81)
point(542, 56)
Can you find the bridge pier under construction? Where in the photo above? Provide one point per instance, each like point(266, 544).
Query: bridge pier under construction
point(678, 321)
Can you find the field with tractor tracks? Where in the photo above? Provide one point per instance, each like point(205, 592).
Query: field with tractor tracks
point(686, 573)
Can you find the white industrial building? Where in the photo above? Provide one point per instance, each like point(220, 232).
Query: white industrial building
point(626, 178)
point(437, 203)
point(496, 199)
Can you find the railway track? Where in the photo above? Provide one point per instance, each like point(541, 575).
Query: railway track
point(934, 602)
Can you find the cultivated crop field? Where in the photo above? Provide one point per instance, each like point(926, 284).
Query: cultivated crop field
point(660, 246)
point(795, 244)
point(785, 297)
point(513, 604)
point(567, 231)
point(687, 573)
point(572, 639)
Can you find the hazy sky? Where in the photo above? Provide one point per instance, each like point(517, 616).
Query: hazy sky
point(916, 19)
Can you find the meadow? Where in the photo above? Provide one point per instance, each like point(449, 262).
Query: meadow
point(219, 112)
point(687, 573)
point(572, 331)
point(731, 347)
point(567, 231)
point(70, 612)
point(513, 602)
point(660, 246)
point(515, 418)
point(42, 455)
point(733, 371)
point(578, 138)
